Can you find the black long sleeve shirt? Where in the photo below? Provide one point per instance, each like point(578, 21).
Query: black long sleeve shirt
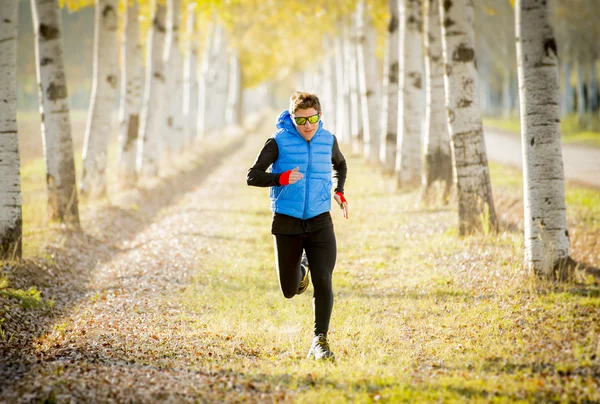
point(258, 176)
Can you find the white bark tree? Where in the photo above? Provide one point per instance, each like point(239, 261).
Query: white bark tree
point(11, 228)
point(328, 98)
point(546, 235)
point(190, 78)
point(408, 154)
point(61, 184)
point(131, 95)
point(368, 82)
point(437, 160)
point(476, 210)
point(342, 104)
point(389, 120)
point(233, 114)
point(173, 79)
point(212, 93)
point(221, 66)
point(356, 129)
point(152, 117)
point(99, 128)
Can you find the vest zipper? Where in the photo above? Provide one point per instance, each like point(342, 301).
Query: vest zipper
point(307, 182)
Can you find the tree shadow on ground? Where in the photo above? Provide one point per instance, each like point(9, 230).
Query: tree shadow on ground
point(63, 274)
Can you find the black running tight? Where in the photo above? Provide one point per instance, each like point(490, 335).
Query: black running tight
point(321, 251)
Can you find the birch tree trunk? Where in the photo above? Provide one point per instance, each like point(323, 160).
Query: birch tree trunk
point(355, 118)
point(220, 72)
point(408, 155)
point(389, 121)
point(580, 94)
point(475, 204)
point(329, 81)
point(131, 95)
point(206, 85)
point(190, 79)
point(368, 82)
point(437, 159)
point(593, 86)
point(11, 227)
point(104, 87)
point(173, 79)
point(342, 105)
point(568, 104)
point(152, 116)
point(546, 235)
point(54, 106)
point(233, 114)
point(506, 93)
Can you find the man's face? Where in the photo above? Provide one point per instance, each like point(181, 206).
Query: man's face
point(307, 130)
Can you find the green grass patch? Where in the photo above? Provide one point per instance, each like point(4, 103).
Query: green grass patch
point(420, 315)
point(30, 298)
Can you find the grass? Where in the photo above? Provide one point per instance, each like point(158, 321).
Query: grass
point(420, 315)
point(572, 131)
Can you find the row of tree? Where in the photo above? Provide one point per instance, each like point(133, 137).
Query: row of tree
point(577, 39)
point(431, 43)
point(165, 102)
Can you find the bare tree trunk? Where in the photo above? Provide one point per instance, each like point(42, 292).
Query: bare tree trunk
point(190, 78)
point(233, 115)
point(54, 106)
point(438, 157)
point(568, 104)
point(342, 105)
point(408, 154)
point(131, 96)
point(355, 118)
point(211, 102)
point(580, 94)
point(104, 87)
point(329, 81)
point(173, 79)
point(152, 123)
point(221, 71)
point(475, 204)
point(593, 86)
point(546, 235)
point(506, 93)
point(11, 222)
point(368, 83)
point(389, 121)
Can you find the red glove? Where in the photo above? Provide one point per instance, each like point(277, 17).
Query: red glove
point(341, 197)
point(284, 178)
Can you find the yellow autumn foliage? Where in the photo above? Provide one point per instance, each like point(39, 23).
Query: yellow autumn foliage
point(273, 37)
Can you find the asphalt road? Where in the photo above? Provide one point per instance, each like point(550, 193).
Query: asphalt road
point(582, 163)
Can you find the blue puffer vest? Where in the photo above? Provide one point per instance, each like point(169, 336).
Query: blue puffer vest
point(310, 196)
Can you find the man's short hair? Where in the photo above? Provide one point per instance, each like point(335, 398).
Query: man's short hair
point(302, 100)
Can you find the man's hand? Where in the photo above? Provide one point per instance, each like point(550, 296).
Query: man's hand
point(295, 176)
point(290, 177)
point(339, 198)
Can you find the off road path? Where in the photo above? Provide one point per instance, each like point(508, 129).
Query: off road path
point(122, 332)
point(582, 164)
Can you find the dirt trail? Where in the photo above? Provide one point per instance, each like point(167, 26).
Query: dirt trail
point(126, 337)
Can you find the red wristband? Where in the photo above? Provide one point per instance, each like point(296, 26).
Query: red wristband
point(341, 197)
point(284, 178)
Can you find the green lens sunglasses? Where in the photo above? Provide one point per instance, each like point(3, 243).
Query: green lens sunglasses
point(301, 120)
